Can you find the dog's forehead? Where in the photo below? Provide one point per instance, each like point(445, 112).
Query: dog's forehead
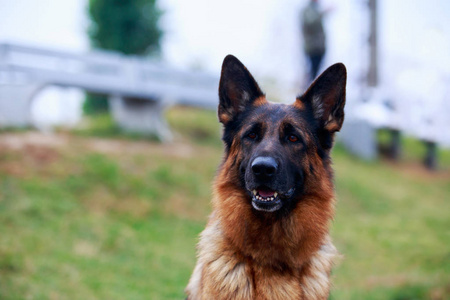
point(275, 114)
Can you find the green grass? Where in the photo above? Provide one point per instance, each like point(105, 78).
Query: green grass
point(393, 228)
point(99, 214)
point(102, 125)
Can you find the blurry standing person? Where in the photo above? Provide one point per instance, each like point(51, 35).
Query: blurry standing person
point(313, 36)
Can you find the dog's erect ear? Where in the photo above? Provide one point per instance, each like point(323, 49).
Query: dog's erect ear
point(326, 98)
point(237, 89)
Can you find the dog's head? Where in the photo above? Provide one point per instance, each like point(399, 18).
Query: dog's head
point(278, 153)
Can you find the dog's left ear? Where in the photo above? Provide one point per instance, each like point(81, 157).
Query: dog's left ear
point(326, 98)
point(237, 89)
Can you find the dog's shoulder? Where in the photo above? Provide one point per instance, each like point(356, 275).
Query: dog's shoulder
point(219, 268)
point(315, 278)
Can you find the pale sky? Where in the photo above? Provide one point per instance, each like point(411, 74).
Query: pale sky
point(264, 34)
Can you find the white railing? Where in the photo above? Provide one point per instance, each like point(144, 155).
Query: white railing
point(108, 73)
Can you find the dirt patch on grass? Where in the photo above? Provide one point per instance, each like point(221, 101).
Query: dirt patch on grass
point(109, 146)
point(21, 153)
point(102, 202)
point(85, 249)
point(418, 170)
point(38, 143)
point(17, 141)
point(179, 205)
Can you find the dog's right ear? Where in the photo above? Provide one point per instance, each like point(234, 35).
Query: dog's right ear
point(237, 89)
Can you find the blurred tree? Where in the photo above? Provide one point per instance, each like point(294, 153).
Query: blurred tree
point(127, 26)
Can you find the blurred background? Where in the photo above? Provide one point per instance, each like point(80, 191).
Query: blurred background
point(109, 138)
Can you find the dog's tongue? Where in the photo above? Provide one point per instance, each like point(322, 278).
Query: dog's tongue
point(266, 193)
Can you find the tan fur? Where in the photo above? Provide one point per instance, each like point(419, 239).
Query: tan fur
point(221, 273)
point(218, 268)
point(241, 258)
point(260, 101)
point(299, 105)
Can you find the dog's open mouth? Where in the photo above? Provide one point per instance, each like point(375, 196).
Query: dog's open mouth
point(264, 199)
point(265, 195)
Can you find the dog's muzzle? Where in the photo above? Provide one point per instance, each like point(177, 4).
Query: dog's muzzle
point(264, 168)
point(263, 172)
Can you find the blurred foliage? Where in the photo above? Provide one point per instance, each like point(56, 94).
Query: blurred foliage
point(97, 215)
point(95, 104)
point(126, 26)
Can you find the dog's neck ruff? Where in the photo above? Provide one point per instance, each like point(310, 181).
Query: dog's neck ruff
point(237, 278)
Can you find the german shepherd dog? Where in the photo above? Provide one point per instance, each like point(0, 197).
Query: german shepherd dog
point(273, 196)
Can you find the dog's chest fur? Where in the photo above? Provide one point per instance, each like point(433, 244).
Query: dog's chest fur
point(223, 273)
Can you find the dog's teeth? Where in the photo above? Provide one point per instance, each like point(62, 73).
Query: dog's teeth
point(264, 199)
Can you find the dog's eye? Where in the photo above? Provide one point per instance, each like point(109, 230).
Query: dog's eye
point(293, 138)
point(252, 135)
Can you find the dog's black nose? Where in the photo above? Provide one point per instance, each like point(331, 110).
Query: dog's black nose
point(264, 167)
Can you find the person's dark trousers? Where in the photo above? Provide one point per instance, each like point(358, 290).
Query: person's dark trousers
point(315, 60)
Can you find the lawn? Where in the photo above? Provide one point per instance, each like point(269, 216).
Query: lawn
point(93, 213)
